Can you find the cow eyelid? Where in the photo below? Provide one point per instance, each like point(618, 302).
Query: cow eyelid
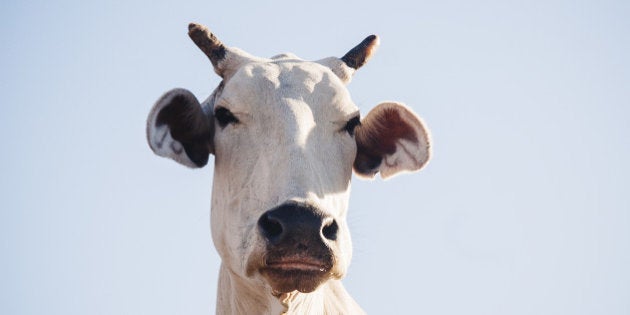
point(224, 116)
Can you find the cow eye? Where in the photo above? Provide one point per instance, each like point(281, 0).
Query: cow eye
point(351, 124)
point(224, 116)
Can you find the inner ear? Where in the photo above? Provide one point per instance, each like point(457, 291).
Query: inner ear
point(391, 139)
point(179, 128)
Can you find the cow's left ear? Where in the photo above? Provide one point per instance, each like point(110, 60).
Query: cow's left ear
point(180, 129)
point(391, 139)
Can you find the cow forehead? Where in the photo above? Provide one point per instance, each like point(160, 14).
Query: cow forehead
point(261, 85)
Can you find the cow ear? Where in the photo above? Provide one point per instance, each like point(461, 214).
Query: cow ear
point(391, 139)
point(178, 128)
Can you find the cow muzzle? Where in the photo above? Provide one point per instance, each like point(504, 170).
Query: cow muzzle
point(300, 242)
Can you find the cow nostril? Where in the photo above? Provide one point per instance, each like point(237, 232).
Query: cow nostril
point(330, 230)
point(269, 227)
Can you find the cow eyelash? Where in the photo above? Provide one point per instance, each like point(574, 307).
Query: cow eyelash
point(352, 124)
point(224, 116)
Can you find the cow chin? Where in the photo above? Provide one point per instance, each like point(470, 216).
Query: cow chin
point(289, 280)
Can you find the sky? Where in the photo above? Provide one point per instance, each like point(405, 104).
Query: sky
point(524, 208)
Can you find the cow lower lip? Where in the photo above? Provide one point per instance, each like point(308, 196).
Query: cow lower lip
point(304, 272)
point(297, 266)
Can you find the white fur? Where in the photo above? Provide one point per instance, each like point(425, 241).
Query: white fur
point(289, 145)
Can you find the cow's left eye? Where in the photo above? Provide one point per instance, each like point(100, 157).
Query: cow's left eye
point(352, 124)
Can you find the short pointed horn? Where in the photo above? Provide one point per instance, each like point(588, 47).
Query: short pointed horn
point(207, 42)
point(360, 54)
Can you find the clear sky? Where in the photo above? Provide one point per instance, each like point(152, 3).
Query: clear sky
point(524, 209)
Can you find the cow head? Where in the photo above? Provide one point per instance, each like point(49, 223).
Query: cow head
point(286, 137)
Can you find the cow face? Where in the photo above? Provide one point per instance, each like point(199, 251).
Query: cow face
point(286, 136)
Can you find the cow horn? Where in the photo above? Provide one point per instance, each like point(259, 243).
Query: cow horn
point(360, 54)
point(226, 60)
point(207, 42)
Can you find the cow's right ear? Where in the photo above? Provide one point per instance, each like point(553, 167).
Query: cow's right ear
point(391, 139)
point(180, 129)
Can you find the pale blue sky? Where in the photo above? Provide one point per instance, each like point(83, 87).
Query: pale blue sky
point(525, 208)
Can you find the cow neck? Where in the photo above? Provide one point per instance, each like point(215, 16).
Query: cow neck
point(236, 295)
point(330, 298)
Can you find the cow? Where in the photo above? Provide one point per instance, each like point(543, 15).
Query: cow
point(286, 138)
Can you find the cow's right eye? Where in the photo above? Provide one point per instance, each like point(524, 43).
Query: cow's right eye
point(352, 124)
point(224, 116)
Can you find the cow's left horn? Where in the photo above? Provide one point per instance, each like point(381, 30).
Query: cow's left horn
point(360, 54)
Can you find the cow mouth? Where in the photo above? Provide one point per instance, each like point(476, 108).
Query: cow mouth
point(304, 274)
point(298, 264)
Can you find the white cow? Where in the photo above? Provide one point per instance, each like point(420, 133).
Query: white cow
point(285, 135)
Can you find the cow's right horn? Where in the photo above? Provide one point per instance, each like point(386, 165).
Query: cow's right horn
point(226, 60)
point(207, 42)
